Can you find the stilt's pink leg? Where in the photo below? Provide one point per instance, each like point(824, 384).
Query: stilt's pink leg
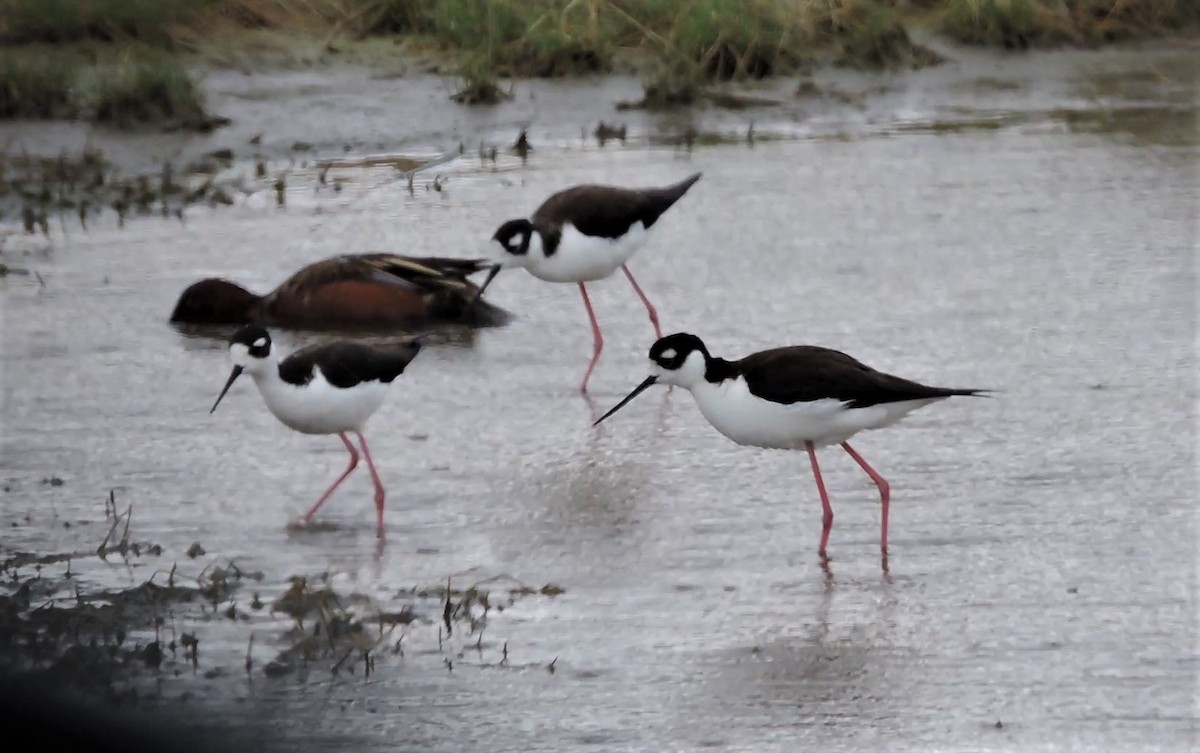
point(885, 491)
point(649, 308)
point(375, 478)
point(827, 517)
point(597, 338)
point(353, 464)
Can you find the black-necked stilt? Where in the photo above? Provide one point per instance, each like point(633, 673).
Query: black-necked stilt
point(583, 234)
point(356, 291)
point(324, 389)
point(789, 398)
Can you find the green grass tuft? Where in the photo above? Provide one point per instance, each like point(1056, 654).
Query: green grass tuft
point(871, 34)
point(54, 21)
point(1112, 20)
point(670, 86)
point(479, 84)
point(1029, 23)
point(373, 17)
point(1002, 23)
point(536, 37)
point(730, 38)
point(694, 41)
point(144, 88)
point(38, 86)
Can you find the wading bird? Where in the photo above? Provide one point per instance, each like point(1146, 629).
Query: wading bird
point(324, 389)
point(583, 234)
point(791, 398)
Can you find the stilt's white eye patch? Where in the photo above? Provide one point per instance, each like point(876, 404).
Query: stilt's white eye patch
point(667, 354)
point(260, 342)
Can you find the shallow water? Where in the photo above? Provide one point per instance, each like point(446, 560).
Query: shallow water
point(1043, 543)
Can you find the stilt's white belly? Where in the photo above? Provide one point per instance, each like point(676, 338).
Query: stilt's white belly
point(735, 412)
point(320, 408)
point(582, 258)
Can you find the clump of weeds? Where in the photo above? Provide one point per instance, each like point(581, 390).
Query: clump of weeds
point(669, 87)
point(147, 88)
point(1039, 23)
point(478, 84)
point(327, 627)
point(115, 62)
point(37, 86)
point(50, 623)
point(135, 87)
point(1003, 23)
point(342, 632)
point(58, 21)
point(79, 187)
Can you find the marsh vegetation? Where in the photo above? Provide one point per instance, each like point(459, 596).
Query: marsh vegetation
point(126, 62)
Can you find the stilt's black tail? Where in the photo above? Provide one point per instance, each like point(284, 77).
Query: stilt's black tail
point(655, 201)
point(973, 392)
point(676, 191)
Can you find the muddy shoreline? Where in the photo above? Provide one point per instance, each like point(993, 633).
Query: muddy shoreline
point(295, 117)
point(307, 127)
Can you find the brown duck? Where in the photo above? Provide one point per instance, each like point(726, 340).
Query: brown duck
point(361, 291)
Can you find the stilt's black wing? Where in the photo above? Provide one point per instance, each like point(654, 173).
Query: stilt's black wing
point(804, 373)
point(605, 211)
point(346, 364)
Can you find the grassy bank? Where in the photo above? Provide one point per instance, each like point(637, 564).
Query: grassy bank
point(555, 37)
point(131, 69)
point(124, 90)
point(1040, 23)
point(109, 61)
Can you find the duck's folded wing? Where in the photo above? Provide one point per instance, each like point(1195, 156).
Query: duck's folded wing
point(426, 272)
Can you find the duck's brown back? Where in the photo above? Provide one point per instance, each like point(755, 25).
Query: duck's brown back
point(379, 291)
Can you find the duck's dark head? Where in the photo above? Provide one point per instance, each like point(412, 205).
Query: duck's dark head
point(214, 301)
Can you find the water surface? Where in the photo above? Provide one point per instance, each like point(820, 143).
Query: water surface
point(1043, 542)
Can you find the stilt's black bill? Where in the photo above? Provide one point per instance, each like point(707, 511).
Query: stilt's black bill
point(636, 391)
point(233, 375)
point(491, 276)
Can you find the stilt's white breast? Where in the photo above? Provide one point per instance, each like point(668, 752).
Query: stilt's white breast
point(749, 420)
point(583, 258)
point(318, 407)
